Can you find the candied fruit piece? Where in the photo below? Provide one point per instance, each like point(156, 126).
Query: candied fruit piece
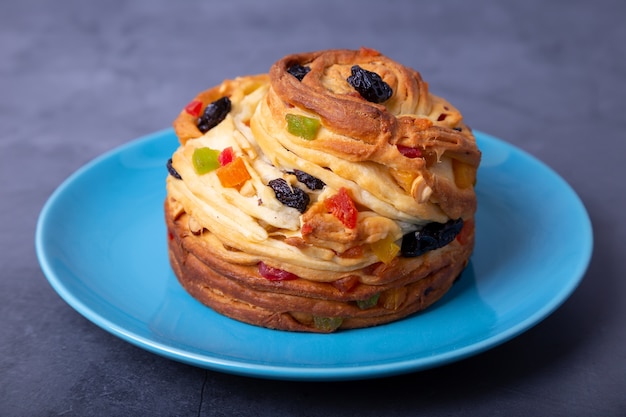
point(353, 252)
point(409, 152)
point(194, 107)
point(404, 178)
point(342, 207)
point(369, 302)
point(385, 249)
point(205, 160)
point(347, 283)
point(275, 274)
point(226, 156)
point(233, 174)
point(466, 232)
point(302, 126)
point(393, 298)
point(464, 174)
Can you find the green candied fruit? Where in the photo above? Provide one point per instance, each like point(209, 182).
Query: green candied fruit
point(205, 160)
point(327, 324)
point(302, 126)
point(368, 303)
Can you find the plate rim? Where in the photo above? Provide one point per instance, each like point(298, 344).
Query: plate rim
point(294, 372)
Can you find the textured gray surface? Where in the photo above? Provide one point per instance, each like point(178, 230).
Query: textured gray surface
point(78, 78)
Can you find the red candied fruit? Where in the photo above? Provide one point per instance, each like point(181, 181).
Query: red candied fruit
point(409, 152)
point(226, 156)
point(275, 274)
point(466, 232)
point(194, 107)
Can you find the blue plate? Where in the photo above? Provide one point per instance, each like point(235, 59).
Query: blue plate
point(101, 242)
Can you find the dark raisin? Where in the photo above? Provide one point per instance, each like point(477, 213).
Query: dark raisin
point(289, 195)
point(172, 171)
point(309, 180)
point(213, 114)
point(430, 237)
point(369, 85)
point(458, 129)
point(298, 71)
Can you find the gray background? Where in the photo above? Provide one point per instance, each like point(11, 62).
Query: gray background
point(78, 78)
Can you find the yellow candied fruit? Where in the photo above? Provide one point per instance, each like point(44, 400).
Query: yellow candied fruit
point(393, 298)
point(385, 249)
point(403, 178)
point(464, 174)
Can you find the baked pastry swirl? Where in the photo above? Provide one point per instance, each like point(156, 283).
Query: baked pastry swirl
point(334, 192)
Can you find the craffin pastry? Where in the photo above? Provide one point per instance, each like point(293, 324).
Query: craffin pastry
point(343, 239)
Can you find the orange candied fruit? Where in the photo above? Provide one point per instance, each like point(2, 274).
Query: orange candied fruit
point(233, 174)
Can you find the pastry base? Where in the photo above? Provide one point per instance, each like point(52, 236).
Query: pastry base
point(240, 292)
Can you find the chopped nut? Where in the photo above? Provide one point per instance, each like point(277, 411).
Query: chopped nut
point(303, 318)
point(247, 189)
point(420, 190)
point(177, 208)
point(194, 226)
